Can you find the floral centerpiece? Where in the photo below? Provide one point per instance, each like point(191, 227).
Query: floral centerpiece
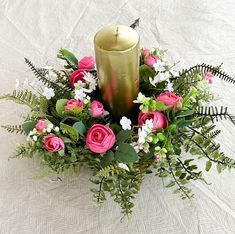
point(68, 126)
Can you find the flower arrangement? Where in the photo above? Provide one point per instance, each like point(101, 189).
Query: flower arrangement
point(69, 128)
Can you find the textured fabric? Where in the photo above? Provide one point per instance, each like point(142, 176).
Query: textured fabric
point(193, 31)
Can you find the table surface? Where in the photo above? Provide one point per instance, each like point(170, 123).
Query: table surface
point(193, 31)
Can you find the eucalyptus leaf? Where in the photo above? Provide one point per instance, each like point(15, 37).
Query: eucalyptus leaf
point(126, 153)
point(107, 158)
point(123, 135)
point(80, 128)
point(208, 165)
point(28, 126)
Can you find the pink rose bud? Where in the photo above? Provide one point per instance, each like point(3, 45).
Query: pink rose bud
point(146, 51)
point(73, 105)
point(100, 138)
point(53, 143)
point(208, 76)
point(97, 109)
point(150, 60)
point(159, 119)
point(76, 76)
point(170, 99)
point(41, 124)
point(88, 62)
point(158, 157)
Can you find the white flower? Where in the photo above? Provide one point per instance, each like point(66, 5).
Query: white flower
point(174, 72)
point(142, 135)
point(35, 138)
point(148, 126)
point(141, 98)
point(91, 81)
point(57, 129)
point(48, 129)
point(159, 66)
point(123, 166)
point(126, 123)
point(50, 125)
point(169, 87)
point(79, 84)
point(48, 93)
point(79, 94)
point(159, 78)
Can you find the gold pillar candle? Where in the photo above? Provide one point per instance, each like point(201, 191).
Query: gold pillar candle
point(117, 62)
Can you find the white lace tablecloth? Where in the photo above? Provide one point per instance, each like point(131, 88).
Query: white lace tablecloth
point(193, 31)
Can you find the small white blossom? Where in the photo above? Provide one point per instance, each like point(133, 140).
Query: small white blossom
point(141, 98)
point(148, 126)
point(50, 125)
point(48, 129)
point(57, 129)
point(159, 66)
point(79, 84)
point(35, 138)
point(123, 166)
point(169, 87)
point(44, 130)
point(159, 78)
point(48, 93)
point(142, 135)
point(174, 72)
point(79, 94)
point(89, 78)
point(126, 123)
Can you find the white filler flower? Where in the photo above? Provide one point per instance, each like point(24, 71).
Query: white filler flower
point(48, 93)
point(126, 123)
point(123, 166)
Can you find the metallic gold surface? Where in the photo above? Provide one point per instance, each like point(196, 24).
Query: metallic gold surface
point(117, 61)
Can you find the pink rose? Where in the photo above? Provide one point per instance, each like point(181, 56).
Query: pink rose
point(100, 138)
point(150, 60)
point(88, 62)
point(97, 109)
point(146, 51)
point(208, 76)
point(76, 76)
point(159, 119)
point(73, 105)
point(53, 143)
point(41, 124)
point(170, 99)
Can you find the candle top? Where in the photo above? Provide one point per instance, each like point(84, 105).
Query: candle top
point(116, 38)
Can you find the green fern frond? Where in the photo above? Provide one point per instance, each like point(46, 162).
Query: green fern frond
point(208, 68)
point(41, 75)
point(214, 113)
point(14, 129)
point(215, 133)
point(110, 170)
point(25, 97)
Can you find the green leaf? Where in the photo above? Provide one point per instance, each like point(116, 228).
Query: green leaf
point(80, 128)
point(61, 152)
point(60, 107)
point(69, 56)
point(219, 168)
point(123, 135)
point(184, 123)
point(107, 158)
point(172, 128)
point(126, 153)
point(171, 184)
point(145, 72)
point(184, 113)
point(160, 106)
point(208, 165)
point(28, 126)
point(66, 129)
point(161, 136)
